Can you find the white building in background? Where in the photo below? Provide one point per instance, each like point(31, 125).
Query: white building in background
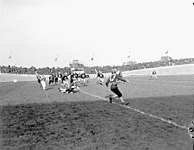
point(76, 66)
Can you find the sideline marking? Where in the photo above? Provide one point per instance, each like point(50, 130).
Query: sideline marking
point(137, 110)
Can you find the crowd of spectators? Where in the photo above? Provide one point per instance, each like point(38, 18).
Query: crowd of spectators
point(103, 69)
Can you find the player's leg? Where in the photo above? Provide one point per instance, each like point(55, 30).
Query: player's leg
point(98, 80)
point(43, 85)
point(62, 90)
point(67, 83)
point(102, 80)
point(117, 94)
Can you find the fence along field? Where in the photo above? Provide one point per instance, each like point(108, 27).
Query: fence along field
point(52, 120)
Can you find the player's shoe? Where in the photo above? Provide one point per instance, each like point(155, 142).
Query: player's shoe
point(127, 103)
point(124, 103)
point(110, 99)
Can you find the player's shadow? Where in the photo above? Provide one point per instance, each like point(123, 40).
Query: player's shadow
point(49, 88)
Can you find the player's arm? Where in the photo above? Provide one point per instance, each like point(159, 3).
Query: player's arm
point(107, 82)
point(122, 79)
point(96, 71)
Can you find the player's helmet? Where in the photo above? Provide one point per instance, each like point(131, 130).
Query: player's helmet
point(113, 71)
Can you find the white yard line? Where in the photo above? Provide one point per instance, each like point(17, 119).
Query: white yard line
point(139, 111)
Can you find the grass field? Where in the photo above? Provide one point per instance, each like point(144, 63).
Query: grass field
point(156, 118)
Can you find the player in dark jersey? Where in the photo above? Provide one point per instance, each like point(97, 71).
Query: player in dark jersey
point(51, 79)
point(113, 80)
point(83, 78)
point(65, 80)
point(75, 75)
point(60, 75)
point(55, 76)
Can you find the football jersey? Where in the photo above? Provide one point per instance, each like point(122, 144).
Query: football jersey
point(65, 77)
point(113, 80)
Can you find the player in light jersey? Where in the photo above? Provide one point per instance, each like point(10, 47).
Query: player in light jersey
point(191, 129)
point(100, 77)
point(83, 78)
point(113, 80)
point(153, 74)
point(43, 82)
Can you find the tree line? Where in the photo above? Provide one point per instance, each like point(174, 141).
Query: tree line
point(164, 61)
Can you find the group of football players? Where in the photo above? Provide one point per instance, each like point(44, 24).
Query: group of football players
point(71, 82)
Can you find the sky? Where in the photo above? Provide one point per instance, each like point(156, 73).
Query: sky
point(35, 32)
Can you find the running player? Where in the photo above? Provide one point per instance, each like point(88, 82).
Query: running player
point(43, 82)
point(113, 80)
point(153, 75)
point(100, 77)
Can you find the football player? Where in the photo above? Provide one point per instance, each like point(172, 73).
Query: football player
point(100, 77)
point(153, 74)
point(114, 77)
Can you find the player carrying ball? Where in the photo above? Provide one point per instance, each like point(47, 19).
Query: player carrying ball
point(113, 80)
